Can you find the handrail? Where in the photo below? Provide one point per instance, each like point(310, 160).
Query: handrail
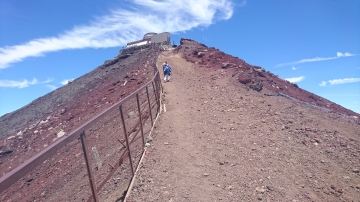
point(13, 176)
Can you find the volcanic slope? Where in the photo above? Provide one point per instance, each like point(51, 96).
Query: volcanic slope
point(224, 137)
point(29, 130)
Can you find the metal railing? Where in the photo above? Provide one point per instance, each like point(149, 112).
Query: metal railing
point(144, 102)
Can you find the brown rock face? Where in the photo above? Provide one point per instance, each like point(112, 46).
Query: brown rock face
point(253, 77)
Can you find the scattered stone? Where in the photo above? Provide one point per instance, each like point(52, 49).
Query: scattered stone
point(200, 54)
point(97, 158)
point(42, 122)
point(130, 114)
point(29, 180)
point(63, 111)
point(6, 152)
point(343, 144)
point(346, 177)
point(147, 145)
point(257, 85)
point(270, 188)
point(355, 170)
point(317, 140)
point(227, 65)
point(149, 139)
point(339, 190)
point(60, 134)
point(260, 189)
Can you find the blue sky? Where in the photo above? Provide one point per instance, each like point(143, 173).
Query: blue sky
point(313, 43)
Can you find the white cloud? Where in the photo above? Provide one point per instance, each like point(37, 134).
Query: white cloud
point(323, 83)
point(339, 54)
point(122, 26)
point(66, 81)
point(316, 59)
point(17, 84)
point(295, 79)
point(343, 81)
point(294, 68)
point(52, 87)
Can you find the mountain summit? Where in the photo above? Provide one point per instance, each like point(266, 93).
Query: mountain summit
point(231, 131)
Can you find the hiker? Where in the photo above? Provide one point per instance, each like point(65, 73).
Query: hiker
point(167, 73)
point(165, 64)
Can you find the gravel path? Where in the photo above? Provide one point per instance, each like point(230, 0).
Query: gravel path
point(219, 142)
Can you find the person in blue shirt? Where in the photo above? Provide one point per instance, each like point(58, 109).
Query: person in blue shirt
point(167, 72)
point(165, 64)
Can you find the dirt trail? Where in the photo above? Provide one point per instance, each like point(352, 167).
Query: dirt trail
point(180, 151)
point(217, 141)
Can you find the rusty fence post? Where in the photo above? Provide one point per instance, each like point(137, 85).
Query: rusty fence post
point(159, 83)
point(88, 167)
point(156, 98)
point(127, 139)
point(147, 93)
point(141, 123)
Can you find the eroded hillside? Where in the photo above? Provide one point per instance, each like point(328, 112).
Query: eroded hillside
point(223, 138)
point(38, 125)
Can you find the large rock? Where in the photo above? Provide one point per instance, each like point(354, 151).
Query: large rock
point(244, 78)
point(200, 54)
point(256, 85)
point(227, 65)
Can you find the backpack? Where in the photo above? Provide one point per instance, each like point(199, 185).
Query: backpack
point(167, 68)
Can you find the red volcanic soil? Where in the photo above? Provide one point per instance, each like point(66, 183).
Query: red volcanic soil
point(34, 127)
point(223, 138)
point(232, 132)
point(255, 77)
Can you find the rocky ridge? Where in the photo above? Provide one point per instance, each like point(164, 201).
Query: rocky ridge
point(264, 101)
